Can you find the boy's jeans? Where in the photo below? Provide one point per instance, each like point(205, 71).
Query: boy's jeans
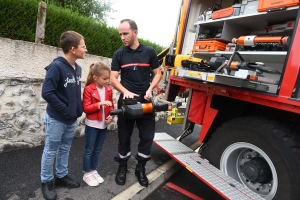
point(58, 142)
point(94, 138)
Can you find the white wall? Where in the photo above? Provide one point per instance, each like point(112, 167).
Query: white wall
point(27, 59)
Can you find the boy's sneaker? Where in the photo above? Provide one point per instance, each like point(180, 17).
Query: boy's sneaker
point(48, 190)
point(67, 181)
point(90, 179)
point(98, 177)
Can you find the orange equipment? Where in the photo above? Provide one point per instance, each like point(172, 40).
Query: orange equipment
point(252, 40)
point(208, 46)
point(269, 5)
point(226, 12)
point(132, 109)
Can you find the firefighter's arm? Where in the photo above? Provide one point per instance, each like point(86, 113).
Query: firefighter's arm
point(155, 81)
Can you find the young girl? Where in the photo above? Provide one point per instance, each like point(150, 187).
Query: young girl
point(97, 102)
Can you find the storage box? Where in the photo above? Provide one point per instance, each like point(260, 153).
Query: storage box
point(264, 5)
point(249, 7)
point(226, 12)
point(208, 46)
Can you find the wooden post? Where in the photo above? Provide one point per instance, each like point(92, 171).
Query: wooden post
point(41, 23)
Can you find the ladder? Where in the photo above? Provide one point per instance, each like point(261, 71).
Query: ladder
point(213, 177)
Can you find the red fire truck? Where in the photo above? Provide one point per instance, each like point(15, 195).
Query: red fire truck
point(239, 62)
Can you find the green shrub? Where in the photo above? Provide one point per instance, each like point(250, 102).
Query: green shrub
point(19, 18)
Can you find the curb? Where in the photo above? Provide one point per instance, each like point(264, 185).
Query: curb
point(156, 178)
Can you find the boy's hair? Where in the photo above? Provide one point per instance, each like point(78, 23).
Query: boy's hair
point(131, 23)
point(70, 39)
point(96, 69)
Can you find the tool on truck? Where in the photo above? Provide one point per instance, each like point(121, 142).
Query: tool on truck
point(241, 70)
point(132, 109)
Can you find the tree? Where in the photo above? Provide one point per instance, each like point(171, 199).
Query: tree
point(97, 9)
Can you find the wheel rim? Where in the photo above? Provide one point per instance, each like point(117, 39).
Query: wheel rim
point(240, 158)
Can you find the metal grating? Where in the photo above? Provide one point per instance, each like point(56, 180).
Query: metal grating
point(218, 180)
point(174, 147)
point(162, 136)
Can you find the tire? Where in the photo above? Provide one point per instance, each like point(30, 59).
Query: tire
point(259, 153)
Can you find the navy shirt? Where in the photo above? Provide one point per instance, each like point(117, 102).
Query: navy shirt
point(135, 66)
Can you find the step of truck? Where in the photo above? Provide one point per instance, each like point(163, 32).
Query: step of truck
point(192, 161)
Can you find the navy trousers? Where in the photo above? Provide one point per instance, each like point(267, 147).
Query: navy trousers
point(146, 127)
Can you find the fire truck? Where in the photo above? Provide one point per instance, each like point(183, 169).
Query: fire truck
point(237, 63)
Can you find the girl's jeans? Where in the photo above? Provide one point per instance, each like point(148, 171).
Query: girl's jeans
point(94, 138)
point(58, 142)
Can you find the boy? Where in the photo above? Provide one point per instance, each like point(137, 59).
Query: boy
point(62, 91)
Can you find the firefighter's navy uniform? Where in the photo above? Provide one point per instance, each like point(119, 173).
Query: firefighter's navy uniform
point(135, 68)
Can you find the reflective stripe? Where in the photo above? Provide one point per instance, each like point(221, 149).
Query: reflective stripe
point(128, 154)
point(136, 64)
point(143, 155)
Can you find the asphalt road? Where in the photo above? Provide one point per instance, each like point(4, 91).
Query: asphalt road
point(20, 169)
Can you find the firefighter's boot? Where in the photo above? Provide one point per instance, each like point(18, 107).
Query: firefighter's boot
point(141, 175)
point(121, 174)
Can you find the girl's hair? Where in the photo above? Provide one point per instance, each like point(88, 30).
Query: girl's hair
point(96, 69)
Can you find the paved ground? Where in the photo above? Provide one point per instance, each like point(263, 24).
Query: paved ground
point(19, 170)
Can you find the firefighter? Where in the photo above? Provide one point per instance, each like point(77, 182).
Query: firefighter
point(134, 62)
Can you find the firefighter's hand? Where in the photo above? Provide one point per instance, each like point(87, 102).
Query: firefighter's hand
point(108, 119)
point(148, 95)
point(129, 95)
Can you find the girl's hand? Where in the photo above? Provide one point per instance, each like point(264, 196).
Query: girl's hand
point(105, 103)
point(108, 119)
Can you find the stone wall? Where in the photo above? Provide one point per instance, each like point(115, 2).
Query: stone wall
point(21, 106)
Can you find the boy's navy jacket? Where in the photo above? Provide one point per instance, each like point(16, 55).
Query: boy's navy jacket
point(62, 91)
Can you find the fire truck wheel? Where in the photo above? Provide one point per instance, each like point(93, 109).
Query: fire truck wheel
point(260, 153)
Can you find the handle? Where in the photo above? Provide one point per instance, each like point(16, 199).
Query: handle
point(202, 46)
point(276, 9)
point(116, 112)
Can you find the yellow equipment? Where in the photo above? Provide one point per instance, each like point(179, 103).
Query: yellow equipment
point(174, 61)
point(178, 60)
point(174, 118)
